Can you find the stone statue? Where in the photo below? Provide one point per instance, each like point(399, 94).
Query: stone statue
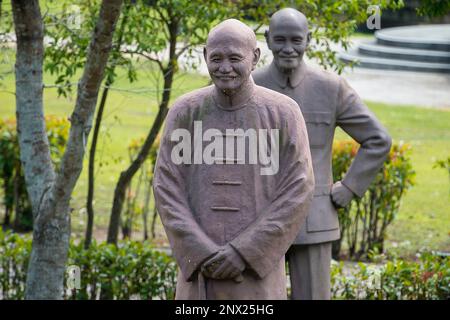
point(326, 101)
point(233, 179)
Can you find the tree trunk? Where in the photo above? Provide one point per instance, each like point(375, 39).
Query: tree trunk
point(50, 193)
point(148, 193)
point(93, 149)
point(91, 168)
point(128, 174)
point(7, 219)
point(155, 215)
point(18, 209)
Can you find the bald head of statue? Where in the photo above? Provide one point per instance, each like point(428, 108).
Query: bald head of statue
point(231, 55)
point(288, 38)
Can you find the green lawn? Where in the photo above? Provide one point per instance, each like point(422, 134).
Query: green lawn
point(424, 218)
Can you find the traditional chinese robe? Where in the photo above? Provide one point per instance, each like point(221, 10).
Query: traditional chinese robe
point(204, 206)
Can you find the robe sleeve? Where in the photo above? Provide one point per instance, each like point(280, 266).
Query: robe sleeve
point(190, 245)
point(266, 241)
point(360, 123)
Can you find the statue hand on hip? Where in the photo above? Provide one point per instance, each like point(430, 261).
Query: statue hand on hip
point(341, 195)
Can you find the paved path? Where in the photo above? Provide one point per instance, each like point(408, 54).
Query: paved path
point(387, 86)
point(401, 87)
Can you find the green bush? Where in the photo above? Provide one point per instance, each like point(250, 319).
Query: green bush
point(130, 270)
point(365, 220)
point(136, 270)
point(15, 197)
point(427, 278)
point(14, 254)
point(138, 193)
point(443, 164)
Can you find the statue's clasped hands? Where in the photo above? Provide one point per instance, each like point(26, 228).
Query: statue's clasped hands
point(225, 264)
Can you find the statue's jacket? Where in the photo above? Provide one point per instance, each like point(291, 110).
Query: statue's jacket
point(205, 206)
point(327, 101)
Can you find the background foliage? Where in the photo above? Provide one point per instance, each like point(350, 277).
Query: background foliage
point(130, 270)
point(15, 196)
point(365, 220)
point(137, 270)
point(426, 278)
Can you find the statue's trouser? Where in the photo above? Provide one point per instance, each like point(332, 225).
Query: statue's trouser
point(309, 269)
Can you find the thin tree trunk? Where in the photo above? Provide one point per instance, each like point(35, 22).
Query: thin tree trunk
point(128, 174)
point(148, 193)
point(93, 149)
point(155, 215)
point(50, 193)
point(145, 222)
point(17, 208)
point(7, 219)
point(91, 168)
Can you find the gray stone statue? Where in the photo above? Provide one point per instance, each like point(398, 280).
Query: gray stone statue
point(326, 101)
point(233, 179)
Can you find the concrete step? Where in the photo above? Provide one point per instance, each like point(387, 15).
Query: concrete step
point(393, 64)
point(374, 49)
point(425, 37)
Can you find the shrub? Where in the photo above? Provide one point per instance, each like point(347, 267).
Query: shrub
point(138, 195)
point(130, 270)
point(364, 222)
point(15, 197)
point(427, 278)
point(137, 270)
point(443, 164)
point(14, 254)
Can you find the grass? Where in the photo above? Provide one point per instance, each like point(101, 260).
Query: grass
point(424, 217)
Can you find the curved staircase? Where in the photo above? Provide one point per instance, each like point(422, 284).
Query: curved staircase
point(416, 48)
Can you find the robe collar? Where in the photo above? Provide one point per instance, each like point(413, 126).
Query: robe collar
point(293, 80)
point(241, 101)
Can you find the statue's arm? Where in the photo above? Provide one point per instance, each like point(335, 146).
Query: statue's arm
point(190, 245)
point(265, 242)
point(353, 116)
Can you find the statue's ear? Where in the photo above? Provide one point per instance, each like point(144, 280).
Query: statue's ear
point(308, 38)
point(204, 53)
point(256, 56)
point(266, 35)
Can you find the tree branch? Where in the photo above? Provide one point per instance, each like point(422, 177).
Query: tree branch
point(144, 55)
point(88, 87)
point(182, 50)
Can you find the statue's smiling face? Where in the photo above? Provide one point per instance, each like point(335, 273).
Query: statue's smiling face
point(230, 62)
point(288, 39)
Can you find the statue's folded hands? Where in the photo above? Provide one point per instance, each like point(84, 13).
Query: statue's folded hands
point(225, 264)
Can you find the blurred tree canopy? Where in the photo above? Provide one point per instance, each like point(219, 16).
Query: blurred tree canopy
point(434, 8)
point(330, 22)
